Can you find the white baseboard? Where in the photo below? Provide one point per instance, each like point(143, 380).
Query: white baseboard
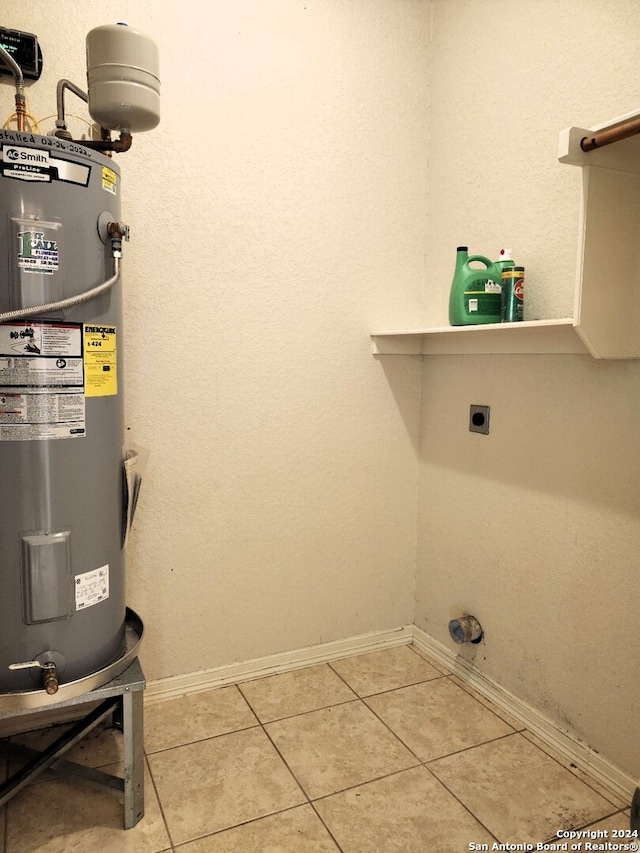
point(181, 685)
point(571, 748)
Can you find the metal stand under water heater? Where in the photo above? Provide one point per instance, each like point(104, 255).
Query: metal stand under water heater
point(67, 483)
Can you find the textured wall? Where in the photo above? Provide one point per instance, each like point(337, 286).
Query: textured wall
point(277, 215)
point(533, 528)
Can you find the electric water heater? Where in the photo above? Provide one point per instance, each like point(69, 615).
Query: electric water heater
point(66, 490)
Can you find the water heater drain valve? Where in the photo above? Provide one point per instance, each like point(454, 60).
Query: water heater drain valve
point(49, 674)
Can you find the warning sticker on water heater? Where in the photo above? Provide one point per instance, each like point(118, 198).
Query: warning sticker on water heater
point(41, 381)
point(109, 180)
point(92, 587)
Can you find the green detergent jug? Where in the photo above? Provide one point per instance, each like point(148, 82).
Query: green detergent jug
point(476, 293)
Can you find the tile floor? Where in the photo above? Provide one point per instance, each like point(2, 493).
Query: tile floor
point(380, 753)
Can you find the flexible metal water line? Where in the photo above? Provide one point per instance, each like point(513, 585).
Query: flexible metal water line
point(106, 144)
point(21, 110)
point(70, 302)
point(61, 122)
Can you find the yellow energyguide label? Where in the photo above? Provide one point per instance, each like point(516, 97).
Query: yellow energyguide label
point(100, 361)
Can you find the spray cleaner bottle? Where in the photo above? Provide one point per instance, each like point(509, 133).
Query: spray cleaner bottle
point(476, 292)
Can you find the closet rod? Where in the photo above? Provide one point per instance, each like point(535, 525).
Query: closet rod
point(613, 134)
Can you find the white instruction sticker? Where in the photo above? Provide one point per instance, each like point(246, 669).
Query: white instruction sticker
point(42, 393)
point(92, 587)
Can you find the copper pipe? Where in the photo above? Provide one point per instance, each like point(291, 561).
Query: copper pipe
point(117, 145)
point(613, 134)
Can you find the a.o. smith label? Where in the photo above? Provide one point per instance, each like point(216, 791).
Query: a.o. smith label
point(34, 164)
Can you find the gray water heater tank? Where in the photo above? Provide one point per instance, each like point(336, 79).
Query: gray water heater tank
point(62, 507)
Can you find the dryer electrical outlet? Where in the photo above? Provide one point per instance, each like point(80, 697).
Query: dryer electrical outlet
point(479, 419)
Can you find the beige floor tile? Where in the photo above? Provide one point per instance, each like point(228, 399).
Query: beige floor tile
point(614, 798)
point(174, 722)
point(215, 784)
point(519, 792)
point(512, 721)
point(387, 669)
point(430, 659)
point(100, 747)
point(60, 817)
point(338, 747)
point(298, 830)
point(437, 718)
point(104, 745)
point(605, 828)
point(409, 812)
point(296, 692)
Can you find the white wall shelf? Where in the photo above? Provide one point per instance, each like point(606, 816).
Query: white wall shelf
point(533, 336)
point(606, 321)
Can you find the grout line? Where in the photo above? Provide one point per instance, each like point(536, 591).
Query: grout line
point(342, 679)
point(489, 706)
point(417, 651)
point(248, 704)
point(199, 740)
point(311, 711)
point(587, 781)
point(321, 819)
point(160, 806)
point(620, 811)
point(554, 838)
point(388, 690)
point(355, 787)
point(271, 741)
point(470, 747)
point(354, 698)
point(286, 764)
point(402, 687)
point(446, 755)
point(473, 696)
point(395, 734)
point(458, 800)
point(248, 822)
